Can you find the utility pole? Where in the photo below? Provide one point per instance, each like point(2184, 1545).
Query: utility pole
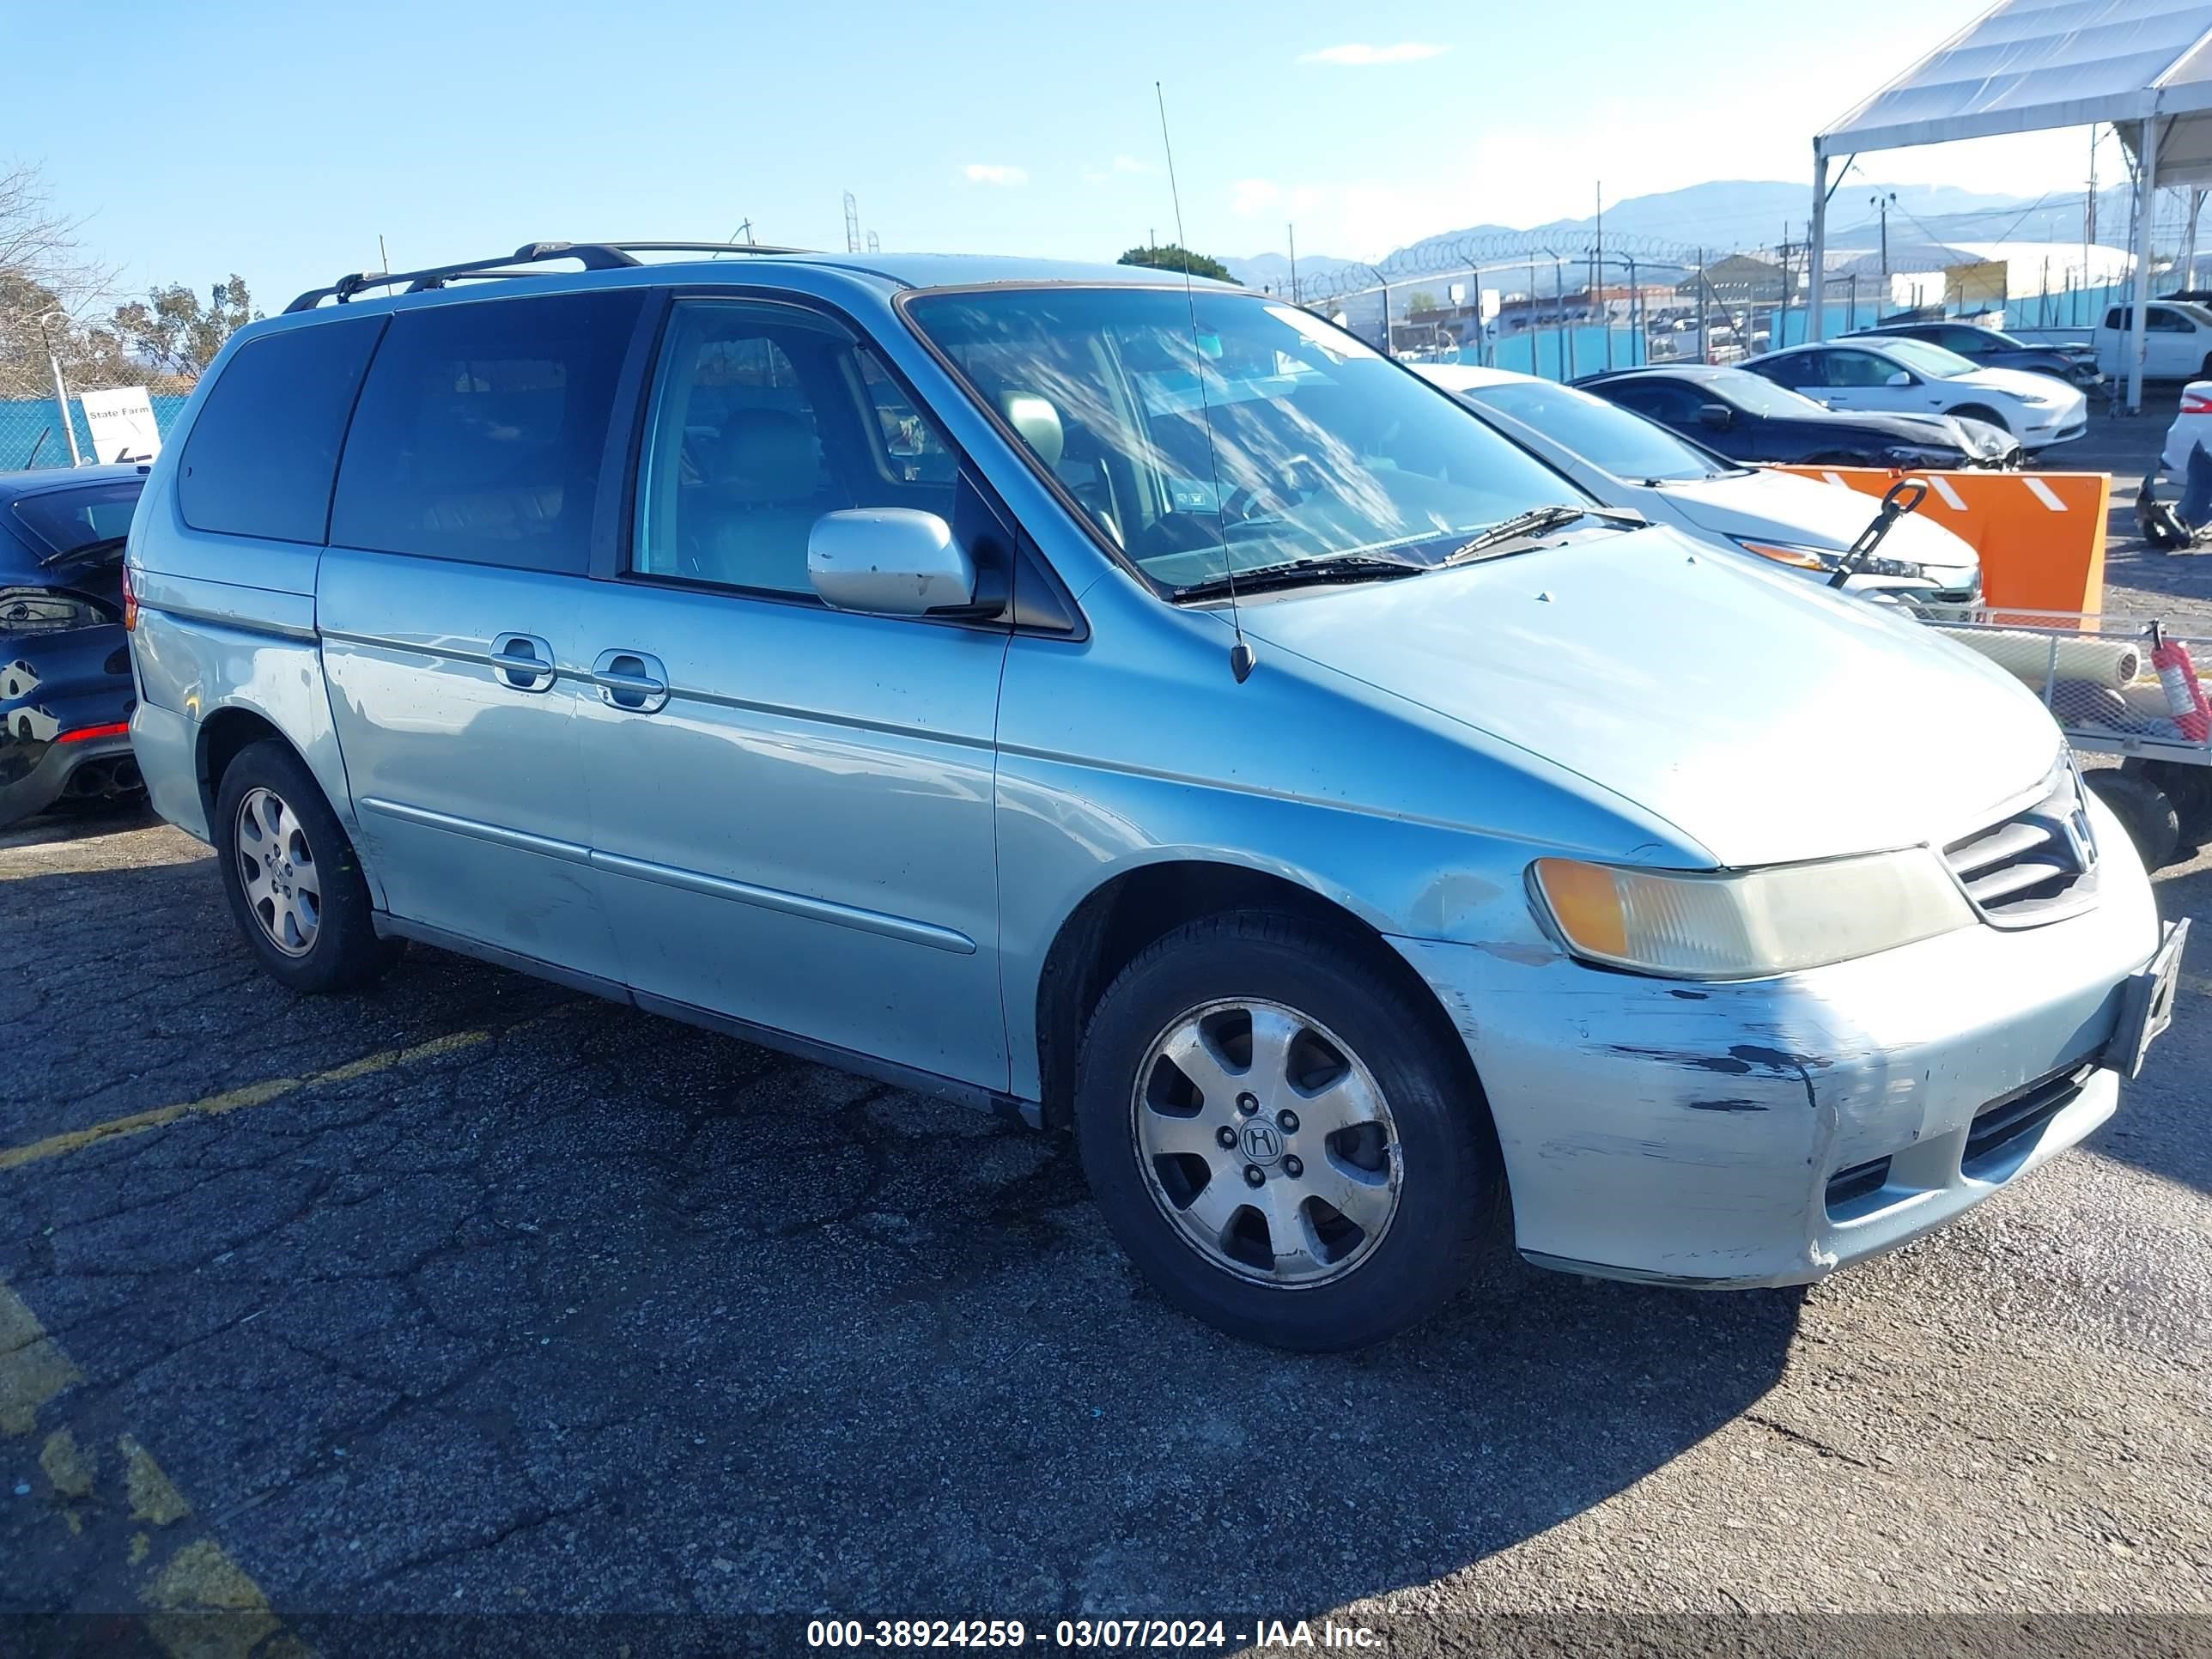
point(1705, 338)
point(61, 390)
point(1293, 232)
point(1882, 202)
point(1597, 276)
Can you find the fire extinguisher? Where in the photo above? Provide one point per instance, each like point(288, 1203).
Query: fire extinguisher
point(2177, 675)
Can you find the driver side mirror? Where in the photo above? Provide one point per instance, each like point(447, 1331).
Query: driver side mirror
point(1900, 378)
point(1718, 416)
point(890, 561)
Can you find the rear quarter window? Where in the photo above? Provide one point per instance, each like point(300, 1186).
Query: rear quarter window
point(480, 433)
point(264, 447)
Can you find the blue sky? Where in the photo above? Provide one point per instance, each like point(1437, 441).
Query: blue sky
point(279, 141)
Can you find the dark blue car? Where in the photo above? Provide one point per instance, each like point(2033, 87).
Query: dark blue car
point(65, 685)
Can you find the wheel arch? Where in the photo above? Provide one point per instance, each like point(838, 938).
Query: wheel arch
point(1125, 912)
point(223, 735)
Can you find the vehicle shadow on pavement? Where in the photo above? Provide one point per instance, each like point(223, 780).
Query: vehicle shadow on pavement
point(2160, 1126)
point(587, 1310)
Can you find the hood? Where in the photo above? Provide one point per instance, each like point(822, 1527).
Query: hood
point(1924, 430)
point(1766, 719)
point(1784, 507)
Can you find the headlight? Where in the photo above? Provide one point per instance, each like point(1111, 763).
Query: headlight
point(1825, 558)
point(2035, 400)
point(1749, 924)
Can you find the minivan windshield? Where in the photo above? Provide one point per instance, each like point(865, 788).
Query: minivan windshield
point(1932, 360)
point(1261, 429)
point(1605, 435)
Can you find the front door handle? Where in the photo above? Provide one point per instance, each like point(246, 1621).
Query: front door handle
point(522, 662)
point(631, 681)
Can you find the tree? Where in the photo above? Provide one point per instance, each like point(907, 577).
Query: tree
point(45, 281)
point(1172, 257)
point(171, 330)
point(1422, 300)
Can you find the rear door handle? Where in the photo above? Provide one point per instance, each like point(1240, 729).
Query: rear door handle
point(522, 662)
point(631, 681)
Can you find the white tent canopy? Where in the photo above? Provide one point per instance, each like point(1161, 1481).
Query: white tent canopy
point(2031, 65)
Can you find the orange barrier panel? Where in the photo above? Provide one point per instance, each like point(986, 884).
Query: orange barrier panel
point(2040, 535)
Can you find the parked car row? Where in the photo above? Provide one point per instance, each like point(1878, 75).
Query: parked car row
point(1137, 704)
point(1799, 524)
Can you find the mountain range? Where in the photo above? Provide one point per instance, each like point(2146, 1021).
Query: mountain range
point(1729, 214)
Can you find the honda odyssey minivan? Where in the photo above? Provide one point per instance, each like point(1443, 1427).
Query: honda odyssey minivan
point(1137, 705)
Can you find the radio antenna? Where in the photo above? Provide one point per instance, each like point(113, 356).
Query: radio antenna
point(1241, 658)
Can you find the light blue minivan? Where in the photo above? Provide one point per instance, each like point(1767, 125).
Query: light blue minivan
point(1137, 705)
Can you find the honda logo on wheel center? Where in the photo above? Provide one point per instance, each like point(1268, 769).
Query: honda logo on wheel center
point(1262, 1144)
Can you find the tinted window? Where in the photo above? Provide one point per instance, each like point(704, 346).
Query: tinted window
point(480, 432)
point(63, 520)
point(1805, 368)
point(2162, 321)
point(262, 451)
point(1662, 400)
point(764, 418)
point(1860, 368)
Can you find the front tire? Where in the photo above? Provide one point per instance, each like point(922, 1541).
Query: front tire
point(1279, 1139)
point(2145, 812)
point(292, 877)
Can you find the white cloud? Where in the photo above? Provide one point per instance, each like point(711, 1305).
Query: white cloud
point(1131, 164)
point(1359, 53)
point(988, 172)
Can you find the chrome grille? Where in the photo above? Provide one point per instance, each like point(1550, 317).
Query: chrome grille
point(2036, 866)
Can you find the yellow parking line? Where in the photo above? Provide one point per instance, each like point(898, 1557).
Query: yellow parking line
point(200, 1604)
point(233, 1100)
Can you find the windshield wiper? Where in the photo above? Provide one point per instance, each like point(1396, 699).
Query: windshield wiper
point(1534, 522)
point(1295, 573)
point(83, 551)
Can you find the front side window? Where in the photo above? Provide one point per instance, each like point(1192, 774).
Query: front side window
point(764, 417)
point(1860, 368)
point(1258, 435)
point(1612, 439)
point(481, 431)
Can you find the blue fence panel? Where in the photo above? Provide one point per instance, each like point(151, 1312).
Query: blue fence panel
point(31, 432)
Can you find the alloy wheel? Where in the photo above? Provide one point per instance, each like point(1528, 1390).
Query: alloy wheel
point(1267, 1142)
point(283, 889)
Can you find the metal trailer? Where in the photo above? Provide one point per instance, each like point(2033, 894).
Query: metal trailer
point(2120, 685)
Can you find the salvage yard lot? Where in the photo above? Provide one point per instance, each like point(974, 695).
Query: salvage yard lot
point(469, 1295)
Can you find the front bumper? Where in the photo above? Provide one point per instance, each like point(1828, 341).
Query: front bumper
point(1768, 1132)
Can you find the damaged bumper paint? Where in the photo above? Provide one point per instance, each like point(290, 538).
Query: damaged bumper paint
point(1769, 1131)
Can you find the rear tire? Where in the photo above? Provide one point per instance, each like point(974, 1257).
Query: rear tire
point(1377, 1181)
point(292, 877)
point(2145, 812)
point(2189, 789)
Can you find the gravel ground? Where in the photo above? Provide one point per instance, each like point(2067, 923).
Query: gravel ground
point(466, 1297)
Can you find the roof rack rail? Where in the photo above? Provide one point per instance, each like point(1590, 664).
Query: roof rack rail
point(592, 256)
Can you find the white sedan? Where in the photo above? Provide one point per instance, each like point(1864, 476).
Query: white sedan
point(1910, 377)
point(2192, 425)
point(1626, 461)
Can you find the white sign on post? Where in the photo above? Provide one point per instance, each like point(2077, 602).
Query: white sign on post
point(122, 422)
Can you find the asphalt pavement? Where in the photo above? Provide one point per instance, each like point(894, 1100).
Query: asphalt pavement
point(468, 1305)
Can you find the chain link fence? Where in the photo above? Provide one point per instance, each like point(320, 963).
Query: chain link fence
point(1569, 306)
